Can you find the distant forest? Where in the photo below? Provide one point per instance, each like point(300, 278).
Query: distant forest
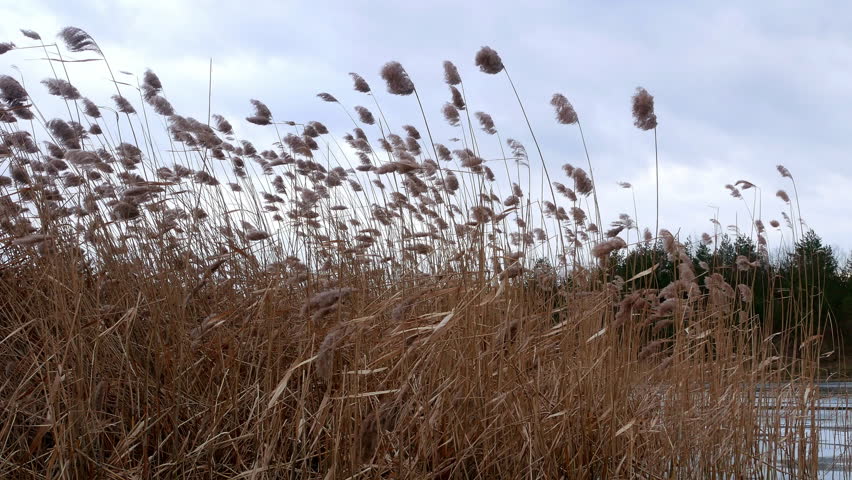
point(811, 271)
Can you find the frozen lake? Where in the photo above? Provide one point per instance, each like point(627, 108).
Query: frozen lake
point(833, 419)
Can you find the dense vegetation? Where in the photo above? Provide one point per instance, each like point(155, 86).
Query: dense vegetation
point(810, 267)
point(176, 302)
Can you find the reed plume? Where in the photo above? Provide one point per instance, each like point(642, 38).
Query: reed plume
point(61, 88)
point(365, 115)
point(565, 113)
point(486, 122)
point(644, 117)
point(451, 73)
point(397, 79)
point(488, 61)
point(262, 114)
point(360, 84)
point(77, 40)
point(327, 97)
point(31, 34)
point(123, 105)
point(451, 114)
point(457, 98)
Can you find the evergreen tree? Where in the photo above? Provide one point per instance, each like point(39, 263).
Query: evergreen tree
point(812, 273)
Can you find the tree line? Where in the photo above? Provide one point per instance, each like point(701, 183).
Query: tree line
point(807, 279)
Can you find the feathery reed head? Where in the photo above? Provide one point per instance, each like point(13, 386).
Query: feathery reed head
point(604, 249)
point(30, 34)
point(458, 99)
point(399, 83)
point(486, 122)
point(582, 181)
point(151, 85)
point(488, 60)
point(318, 127)
point(443, 152)
point(361, 85)
point(125, 210)
point(643, 110)
point(451, 114)
point(565, 191)
point(519, 152)
point(77, 40)
point(61, 88)
point(123, 105)
point(451, 73)
point(161, 106)
point(365, 115)
point(6, 46)
point(262, 114)
point(90, 109)
point(411, 131)
point(784, 172)
point(223, 125)
point(735, 192)
point(565, 113)
point(11, 92)
point(744, 184)
point(19, 174)
point(151, 80)
point(63, 133)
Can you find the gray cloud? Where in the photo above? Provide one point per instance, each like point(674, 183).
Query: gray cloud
point(739, 87)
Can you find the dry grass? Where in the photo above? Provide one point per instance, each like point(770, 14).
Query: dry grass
point(208, 310)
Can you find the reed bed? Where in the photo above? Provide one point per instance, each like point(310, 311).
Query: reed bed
point(179, 303)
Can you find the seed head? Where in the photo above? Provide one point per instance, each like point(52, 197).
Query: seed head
point(123, 105)
point(488, 60)
point(90, 109)
point(77, 40)
point(458, 100)
point(565, 113)
point(61, 88)
point(262, 114)
point(411, 131)
point(365, 115)
point(361, 85)
point(451, 73)
point(327, 97)
point(31, 34)
point(486, 122)
point(399, 83)
point(603, 249)
point(451, 114)
point(643, 110)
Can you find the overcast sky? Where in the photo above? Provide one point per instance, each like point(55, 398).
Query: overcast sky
point(740, 87)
